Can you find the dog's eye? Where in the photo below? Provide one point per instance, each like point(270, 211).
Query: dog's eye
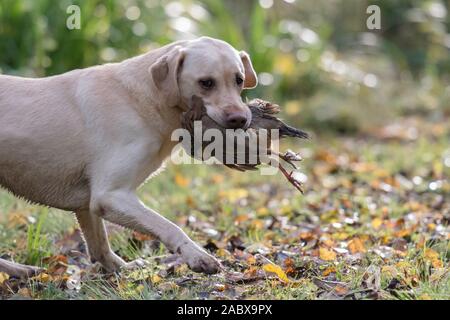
point(239, 80)
point(207, 83)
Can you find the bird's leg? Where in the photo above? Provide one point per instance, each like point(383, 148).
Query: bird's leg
point(289, 157)
point(291, 179)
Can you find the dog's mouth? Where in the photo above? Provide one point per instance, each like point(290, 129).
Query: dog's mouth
point(220, 118)
point(199, 107)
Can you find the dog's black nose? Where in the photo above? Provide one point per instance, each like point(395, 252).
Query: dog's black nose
point(236, 121)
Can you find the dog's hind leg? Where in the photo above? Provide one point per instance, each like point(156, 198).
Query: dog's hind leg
point(17, 269)
point(96, 238)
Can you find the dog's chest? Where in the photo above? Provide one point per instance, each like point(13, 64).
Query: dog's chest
point(155, 162)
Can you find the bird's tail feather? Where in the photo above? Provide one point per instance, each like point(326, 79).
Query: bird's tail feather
point(288, 131)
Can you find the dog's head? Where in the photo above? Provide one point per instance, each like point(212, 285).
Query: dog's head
point(212, 70)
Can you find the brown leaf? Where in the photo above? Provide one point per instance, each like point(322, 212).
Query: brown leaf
point(340, 290)
point(356, 245)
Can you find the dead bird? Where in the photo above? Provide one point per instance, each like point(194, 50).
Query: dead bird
point(245, 143)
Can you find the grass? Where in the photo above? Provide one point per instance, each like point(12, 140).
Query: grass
point(366, 228)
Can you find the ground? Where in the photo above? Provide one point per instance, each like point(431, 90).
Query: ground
point(372, 224)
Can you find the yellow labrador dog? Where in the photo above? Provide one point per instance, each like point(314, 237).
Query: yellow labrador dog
point(84, 141)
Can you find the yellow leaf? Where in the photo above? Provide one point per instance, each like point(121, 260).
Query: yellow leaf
point(328, 242)
point(181, 269)
point(385, 239)
point(389, 271)
point(251, 260)
point(356, 245)
point(328, 270)
point(236, 194)
point(433, 257)
point(3, 277)
point(155, 278)
point(181, 181)
point(223, 253)
point(257, 224)
point(17, 219)
point(376, 223)
point(43, 277)
point(340, 235)
point(327, 254)
point(273, 268)
point(403, 233)
point(262, 212)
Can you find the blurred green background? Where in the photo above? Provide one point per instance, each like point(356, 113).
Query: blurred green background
point(316, 57)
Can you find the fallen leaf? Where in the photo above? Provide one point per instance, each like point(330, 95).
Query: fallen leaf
point(17, 219)
point(327, 254)
point(142, 237)
point(220, 287)
point(43, 277)
point(155, 279)
point(234, 194)
point(251, 260)
point(356, 245)
point(340, 290)
point(328, 270)
point(262, 212)
point(3, 277)
point(376, 223)
point(24, 292)
point(181, 181)
point(140, 288)
point(433, 257)
point(273, 268)
point(217, 178)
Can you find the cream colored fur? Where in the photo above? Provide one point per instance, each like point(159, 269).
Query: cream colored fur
point(84, 141)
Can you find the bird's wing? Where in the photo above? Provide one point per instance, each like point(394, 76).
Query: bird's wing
point(264, 106)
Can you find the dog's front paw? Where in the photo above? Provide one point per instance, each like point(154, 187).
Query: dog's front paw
point(199, 260)
point(135, 264)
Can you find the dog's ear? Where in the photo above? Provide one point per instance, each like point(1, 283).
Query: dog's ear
point(165, 72)
point(251, 80)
